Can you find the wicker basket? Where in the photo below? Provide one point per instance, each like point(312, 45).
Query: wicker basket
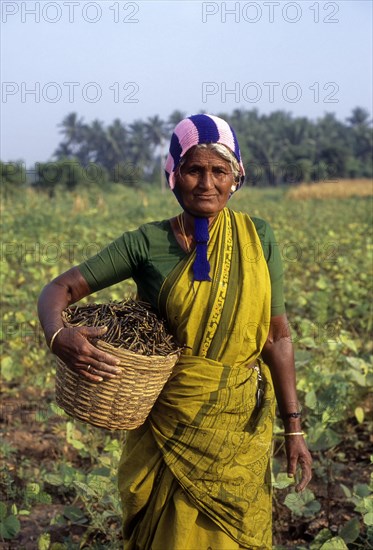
point(120, 403)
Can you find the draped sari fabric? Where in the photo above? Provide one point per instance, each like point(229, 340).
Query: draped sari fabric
point(197, 474)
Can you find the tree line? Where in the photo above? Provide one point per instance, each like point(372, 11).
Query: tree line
point(277, 148)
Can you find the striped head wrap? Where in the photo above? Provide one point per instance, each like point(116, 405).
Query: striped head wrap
point(192, 131)
point(198, 129)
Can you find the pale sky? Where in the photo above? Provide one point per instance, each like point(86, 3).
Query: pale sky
point(132, 60)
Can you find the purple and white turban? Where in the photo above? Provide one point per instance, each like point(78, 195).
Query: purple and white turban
point(198, 129)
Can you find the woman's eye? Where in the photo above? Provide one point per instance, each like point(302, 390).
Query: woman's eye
point(220, 171)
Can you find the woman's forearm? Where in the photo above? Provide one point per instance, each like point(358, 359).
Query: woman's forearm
point(73, 345)
point(52, 301)
point(279, 357)
point(56, 296)
point(278, 354)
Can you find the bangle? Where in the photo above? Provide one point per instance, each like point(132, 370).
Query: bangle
point(293, 433)
point(54, 337)
point(293, 415)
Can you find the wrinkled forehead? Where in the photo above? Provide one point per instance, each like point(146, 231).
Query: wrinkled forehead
point(204, 156)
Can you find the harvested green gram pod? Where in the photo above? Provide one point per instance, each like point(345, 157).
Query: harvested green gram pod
point(130, 325)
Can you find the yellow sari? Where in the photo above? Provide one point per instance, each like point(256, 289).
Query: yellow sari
point(196, 475)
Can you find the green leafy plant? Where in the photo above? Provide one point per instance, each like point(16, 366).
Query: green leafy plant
point(9, 523)
point(71, 467)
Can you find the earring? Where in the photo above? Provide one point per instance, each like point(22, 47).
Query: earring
point(233, 188)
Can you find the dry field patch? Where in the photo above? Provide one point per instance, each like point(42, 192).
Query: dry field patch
point(341, 189)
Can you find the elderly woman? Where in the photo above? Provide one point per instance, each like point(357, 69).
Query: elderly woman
point(196, 475)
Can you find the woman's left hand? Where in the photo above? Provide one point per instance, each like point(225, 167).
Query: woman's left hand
point(298, 454)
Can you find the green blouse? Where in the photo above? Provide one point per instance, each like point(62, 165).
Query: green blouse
point(151, 252)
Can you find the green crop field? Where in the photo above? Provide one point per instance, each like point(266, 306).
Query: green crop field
point(58, 475)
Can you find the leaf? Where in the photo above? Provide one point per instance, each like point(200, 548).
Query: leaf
point(308, 342)
point(20, 317)
point(359, 414)
point(348, 342)
point(7, 368)
point(44, 498)
point(75, 514)
point(357, 363)
point(368, 518)
point(302, 504)
point(346, 490)
point(32, 489)
point(350, 531)
point(9, 527)
point(57, 410)
point(322, 283)
point(71, 433)
point(282, 481)
point(358, 377)
point(53, 479)
point(321, 439)
point(363, 505)
point(85, 488)
point(101, 485)
point(2, 510)
point(369, 379)
point(361, 490)
point(336, 543)
point(113, 445)
point(70, 475)
point(311, 400)
point(44, 541)
point(321, 537)
point(102, 472)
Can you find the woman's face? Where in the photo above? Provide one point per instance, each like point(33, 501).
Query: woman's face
point(203, 185)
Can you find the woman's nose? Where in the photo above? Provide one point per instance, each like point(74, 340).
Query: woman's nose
point(207, 179)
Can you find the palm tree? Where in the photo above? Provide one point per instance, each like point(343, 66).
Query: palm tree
point(72, 131)
point(139, 147)
point(362, 139)
point(359, 117)
point(117, 149)
point(156, 132)
point(174, 118)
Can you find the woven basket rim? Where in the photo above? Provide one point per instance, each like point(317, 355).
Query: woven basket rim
point(136, 354)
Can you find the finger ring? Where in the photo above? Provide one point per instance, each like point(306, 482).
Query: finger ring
point(88, 368)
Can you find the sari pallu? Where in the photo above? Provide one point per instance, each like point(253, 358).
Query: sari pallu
point(199, 467)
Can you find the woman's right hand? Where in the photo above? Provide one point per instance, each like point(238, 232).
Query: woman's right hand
point(73, 346)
